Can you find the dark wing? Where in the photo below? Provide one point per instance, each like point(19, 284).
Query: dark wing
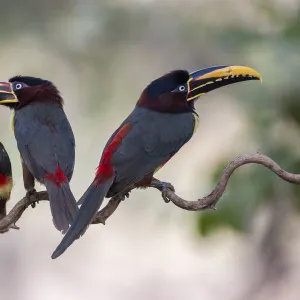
point(5, 164)
point(153, 139)
point(45, 139)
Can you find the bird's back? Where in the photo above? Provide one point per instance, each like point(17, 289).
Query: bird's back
point(45, 139)
point(153, 139)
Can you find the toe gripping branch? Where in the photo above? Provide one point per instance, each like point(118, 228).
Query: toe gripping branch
point(164, 187)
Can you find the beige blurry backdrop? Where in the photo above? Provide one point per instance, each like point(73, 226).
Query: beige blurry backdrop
point(101, 55)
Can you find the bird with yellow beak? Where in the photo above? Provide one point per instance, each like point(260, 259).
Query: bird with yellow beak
point(45, 141)
point(163, 120)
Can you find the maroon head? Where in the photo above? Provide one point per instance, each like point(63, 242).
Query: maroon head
point(177, 91)
point(20, 91)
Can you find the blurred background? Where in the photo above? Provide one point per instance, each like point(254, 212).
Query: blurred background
point(101, 54)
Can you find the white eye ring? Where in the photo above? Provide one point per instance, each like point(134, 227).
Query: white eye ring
point(182, 88)
point(18, 86)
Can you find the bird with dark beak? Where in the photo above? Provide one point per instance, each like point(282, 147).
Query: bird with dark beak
point(45, 141)
point(163, 120)
point(6, 181)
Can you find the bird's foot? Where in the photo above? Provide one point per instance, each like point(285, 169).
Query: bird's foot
point(126, 195)
point(123, 195)
point(31, 193)
point(163, 187)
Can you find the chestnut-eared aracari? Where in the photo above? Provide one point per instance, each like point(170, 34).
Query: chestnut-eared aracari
point(6, 181)
point(45, 141)
point(163, 120)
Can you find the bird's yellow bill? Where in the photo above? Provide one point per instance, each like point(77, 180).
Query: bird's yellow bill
point(208, 79)
point(7, 94)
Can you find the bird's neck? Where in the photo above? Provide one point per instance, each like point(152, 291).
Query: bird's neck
point(167, 103)
point(39, 94)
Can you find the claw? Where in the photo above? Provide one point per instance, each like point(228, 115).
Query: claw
point(163, 187)
point(29, 194)
point(122, 196)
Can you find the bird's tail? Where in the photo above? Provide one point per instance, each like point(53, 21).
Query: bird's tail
point(62, 203)
point(91, 202)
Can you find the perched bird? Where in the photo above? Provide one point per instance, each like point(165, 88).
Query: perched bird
point(6, 181)
point(163, 120)
point(45, 141)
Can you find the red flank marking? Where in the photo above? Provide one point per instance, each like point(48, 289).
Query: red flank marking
point(105, 168)
point(58, 178)
point(4, 180)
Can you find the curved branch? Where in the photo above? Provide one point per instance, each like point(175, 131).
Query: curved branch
point(210, 201)
point(15, 214)
point(8, 222)
point(207, 202)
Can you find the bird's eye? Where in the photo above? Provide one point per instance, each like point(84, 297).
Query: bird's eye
point(182, 88)
point(18, 86)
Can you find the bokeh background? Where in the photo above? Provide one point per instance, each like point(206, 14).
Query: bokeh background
point(101, 54)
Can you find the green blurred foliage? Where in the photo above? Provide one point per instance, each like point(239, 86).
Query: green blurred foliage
point(248, 190)
point(275, 125)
